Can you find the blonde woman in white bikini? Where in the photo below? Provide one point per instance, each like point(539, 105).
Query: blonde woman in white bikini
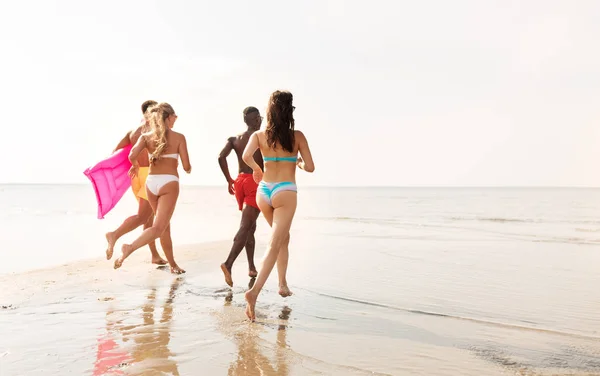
point(165, 148)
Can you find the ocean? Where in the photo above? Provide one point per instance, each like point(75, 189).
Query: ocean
point(394, 281)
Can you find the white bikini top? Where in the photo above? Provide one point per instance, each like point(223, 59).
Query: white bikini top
point(174, 156)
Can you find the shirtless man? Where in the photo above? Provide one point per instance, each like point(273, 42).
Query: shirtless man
point(244, 188)
point(144, 215)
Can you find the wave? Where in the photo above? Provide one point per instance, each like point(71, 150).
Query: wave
point(454, 317)
point(388, 220)
point(496, 219)
point(587, 229)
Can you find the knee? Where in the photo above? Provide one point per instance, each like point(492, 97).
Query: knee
point(159, 229)
point(148, 219)
point(245, 230)
point(137, 219)
point(278, 242)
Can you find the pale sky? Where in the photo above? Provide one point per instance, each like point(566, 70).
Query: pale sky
point(396, 93)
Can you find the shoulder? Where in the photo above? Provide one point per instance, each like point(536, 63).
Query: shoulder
point(177, 135)
point(299, 136)
point(261, 136)
point(134, 133)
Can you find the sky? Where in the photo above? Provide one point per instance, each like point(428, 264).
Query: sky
point(388, 93)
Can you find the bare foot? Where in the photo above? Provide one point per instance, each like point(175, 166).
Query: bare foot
point(252, 273)
point(177, 270)
point(110, 238)
point(284, 291)
point(125, 252)
point(227, 273)
point(158, 260)
point(251, 300)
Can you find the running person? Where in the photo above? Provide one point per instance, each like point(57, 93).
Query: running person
point(165, 147)
point(244, 187)
point(279, 145)
point(144, 214)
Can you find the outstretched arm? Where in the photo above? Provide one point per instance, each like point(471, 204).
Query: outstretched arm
point(223, 159)
point(306, 163)
point(248, 155)
point(185, 157)
point(126, 140)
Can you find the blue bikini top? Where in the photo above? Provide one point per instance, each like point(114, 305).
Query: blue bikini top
point(280, 159)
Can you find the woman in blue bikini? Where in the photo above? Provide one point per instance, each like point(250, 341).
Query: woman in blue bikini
point(276, 197)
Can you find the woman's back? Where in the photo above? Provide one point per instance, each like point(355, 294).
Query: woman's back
point(280, 164)
point(167, 161)
point(279, 144)
point(164, 145)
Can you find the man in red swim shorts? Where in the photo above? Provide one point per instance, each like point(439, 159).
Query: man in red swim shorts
point(244, 188)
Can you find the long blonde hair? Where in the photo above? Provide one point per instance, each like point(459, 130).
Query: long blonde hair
point(158, 114)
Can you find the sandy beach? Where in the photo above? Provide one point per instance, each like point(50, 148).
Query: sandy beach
point(431, 282)
point(85, 318)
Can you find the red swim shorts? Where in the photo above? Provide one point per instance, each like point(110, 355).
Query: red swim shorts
point(245, 190)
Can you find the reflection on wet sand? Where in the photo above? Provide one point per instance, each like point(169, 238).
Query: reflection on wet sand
point(251, 359)
point(150, 354)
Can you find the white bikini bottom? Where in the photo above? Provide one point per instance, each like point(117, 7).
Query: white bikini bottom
point(156, 182)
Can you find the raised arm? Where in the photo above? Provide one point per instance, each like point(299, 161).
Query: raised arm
point(248, 155)
point(126, 140)
point(185, 157)
point(139, 146)
point(306, 163)
point(223, 159)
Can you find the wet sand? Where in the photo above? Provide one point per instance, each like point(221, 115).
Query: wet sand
point(400, 282)
point(87, 319)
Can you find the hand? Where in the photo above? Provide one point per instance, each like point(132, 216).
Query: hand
point(133, 171)
point(231, 188)
point(257, 175)
point(299, 160)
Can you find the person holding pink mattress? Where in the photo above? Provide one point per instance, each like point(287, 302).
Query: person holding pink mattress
point(165, 147)
point(144, 214)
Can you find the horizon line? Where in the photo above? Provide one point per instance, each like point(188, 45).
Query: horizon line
point(349, 186)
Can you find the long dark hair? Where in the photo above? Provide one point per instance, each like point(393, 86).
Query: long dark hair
point(280, 121)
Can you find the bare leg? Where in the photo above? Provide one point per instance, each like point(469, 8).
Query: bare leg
point(164, 206)
point(282, 263)
point(249, 216)
point(156, 259)
point(284, 204)
point(282, 259)
point(167, 245)
point(143, 215)
point(250, 246)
